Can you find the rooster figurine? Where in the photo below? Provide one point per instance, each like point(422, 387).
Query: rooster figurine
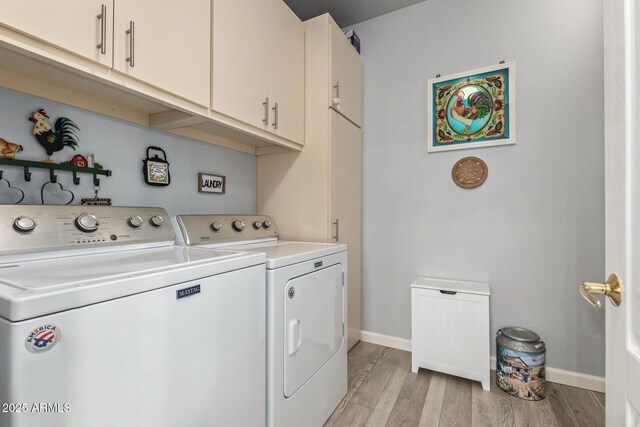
point(51, 140)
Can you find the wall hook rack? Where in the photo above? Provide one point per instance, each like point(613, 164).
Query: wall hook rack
point(75, 170)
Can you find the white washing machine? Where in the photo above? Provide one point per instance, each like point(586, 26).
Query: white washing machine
point(306, 314)
point(104, 322)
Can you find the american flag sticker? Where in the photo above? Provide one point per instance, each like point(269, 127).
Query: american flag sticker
point(43, 338)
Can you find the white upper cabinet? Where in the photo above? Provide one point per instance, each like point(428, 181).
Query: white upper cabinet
point(346, 79)
point(166, 44)
point(240, 54)
point(161, 43)
point(229, 72)
point(286, 72)
point(258, 65)
point(72, 25)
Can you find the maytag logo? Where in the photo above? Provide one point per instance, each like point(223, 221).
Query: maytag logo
point(187, 292)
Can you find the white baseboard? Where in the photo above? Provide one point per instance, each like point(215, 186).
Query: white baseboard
point(556, 375)
point(385, 340)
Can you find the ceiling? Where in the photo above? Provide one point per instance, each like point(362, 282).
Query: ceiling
point(347, 12)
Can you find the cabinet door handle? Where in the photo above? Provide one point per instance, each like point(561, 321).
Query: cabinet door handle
point(448, 292)
point(265, 104)
point(275, 116)
point(337, 224)
point(336, 101)
point(132, 44)
point(103, 30)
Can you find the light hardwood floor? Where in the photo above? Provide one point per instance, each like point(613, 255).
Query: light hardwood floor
point(382, 391)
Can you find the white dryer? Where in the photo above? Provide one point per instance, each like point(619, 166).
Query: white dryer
point(104, 322)
point(306, 314)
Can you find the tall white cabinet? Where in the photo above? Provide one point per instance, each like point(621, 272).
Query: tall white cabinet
point(315, 195)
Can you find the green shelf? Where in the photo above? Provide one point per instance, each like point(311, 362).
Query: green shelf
point(75, 170)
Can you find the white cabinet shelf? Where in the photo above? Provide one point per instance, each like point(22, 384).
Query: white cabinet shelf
point(450, 328)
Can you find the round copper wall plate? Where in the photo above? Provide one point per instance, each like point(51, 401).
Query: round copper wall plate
point(469, 172)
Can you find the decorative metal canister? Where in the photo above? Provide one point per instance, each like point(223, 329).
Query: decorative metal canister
point(520, 363)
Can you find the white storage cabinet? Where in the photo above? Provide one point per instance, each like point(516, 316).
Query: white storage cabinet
point(450, 328)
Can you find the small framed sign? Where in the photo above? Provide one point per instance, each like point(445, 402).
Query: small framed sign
point(155, 169)
point(209, 183)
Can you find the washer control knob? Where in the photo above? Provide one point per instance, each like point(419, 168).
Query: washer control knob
point(87, 223)
point(24, 224)
point(135, 221)
point(216, 225)
point(156, 220)
point(257, 225)
point(238, 225)
point(266, 224)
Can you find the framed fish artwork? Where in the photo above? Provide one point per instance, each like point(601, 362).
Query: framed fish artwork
point(473, 109)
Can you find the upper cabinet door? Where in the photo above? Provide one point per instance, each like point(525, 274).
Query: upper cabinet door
point(286, 72)
point(72, 25)
point(346, 78)
point(166, 44)
point(240, 60)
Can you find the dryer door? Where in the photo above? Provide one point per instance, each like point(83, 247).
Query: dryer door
point(313, 322)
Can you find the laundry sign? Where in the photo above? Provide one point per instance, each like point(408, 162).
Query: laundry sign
point(208, 183)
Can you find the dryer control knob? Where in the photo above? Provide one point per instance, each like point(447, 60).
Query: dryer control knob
point(24, 224)
point(216, 225)
point(238, 225)
point(257, 225)
point(135, 221)
point(156, 220)
point(266, 224)
point(87, 223)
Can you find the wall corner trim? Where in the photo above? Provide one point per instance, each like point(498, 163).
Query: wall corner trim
point(556, 375)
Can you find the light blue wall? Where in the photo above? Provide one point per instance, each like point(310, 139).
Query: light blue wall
point(120, 147)
point(536, 227)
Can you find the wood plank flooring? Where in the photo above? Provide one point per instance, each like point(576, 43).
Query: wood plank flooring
point(384, 392)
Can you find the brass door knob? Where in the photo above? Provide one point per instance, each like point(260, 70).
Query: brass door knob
point(611, 288)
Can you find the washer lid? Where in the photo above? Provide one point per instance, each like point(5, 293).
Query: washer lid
point(521, 334)
point(33, 288)
point(281, 254)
